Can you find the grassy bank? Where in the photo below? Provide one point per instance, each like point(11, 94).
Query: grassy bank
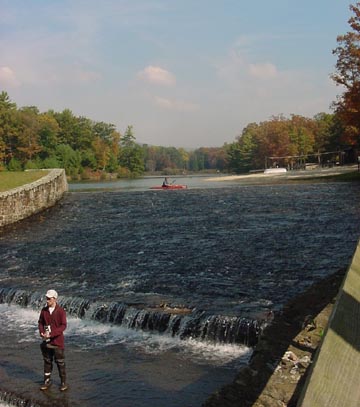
point(13, 179)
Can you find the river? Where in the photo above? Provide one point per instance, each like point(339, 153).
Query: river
point(166, 291)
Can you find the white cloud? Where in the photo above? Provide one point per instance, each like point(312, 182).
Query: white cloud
point(61, 75)
point(232, 68)
point(8, 77)
point(237, 68)
point(255, 88)
point(88, 76)
point(177, 105)
point(158, 76)
point(75, 74)
point(263, 71)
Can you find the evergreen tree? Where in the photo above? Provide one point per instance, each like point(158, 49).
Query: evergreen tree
point(9, 129)
point(131, 154)
point(68, 159)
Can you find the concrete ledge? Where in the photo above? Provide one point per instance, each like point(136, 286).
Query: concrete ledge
point(335, 378)
point(21, 202)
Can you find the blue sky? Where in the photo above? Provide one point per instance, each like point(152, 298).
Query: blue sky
point(183, 73)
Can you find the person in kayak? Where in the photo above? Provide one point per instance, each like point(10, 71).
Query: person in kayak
point(166, 183)
point(52, 324)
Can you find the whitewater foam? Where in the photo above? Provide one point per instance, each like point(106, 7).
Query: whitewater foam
point(88, 334)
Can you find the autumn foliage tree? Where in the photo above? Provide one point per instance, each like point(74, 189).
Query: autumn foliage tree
point(28, 144)
point(282, 141)
point(347, 75)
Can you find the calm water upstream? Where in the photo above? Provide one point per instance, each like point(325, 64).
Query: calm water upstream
point(165, 290)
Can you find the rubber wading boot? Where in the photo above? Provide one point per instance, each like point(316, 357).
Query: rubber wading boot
point(63, 387)
point(62, 374)
point(47, 384)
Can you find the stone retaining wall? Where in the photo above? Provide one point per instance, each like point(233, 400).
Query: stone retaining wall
point(21, 202)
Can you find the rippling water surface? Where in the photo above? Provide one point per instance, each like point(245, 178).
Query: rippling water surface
point(226, 252)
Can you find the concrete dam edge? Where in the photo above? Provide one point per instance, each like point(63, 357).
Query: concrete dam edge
point(21, 202)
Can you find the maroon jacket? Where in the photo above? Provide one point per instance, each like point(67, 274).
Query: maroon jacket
point(57, 322)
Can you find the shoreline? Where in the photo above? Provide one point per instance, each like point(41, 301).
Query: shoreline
point(300, 175)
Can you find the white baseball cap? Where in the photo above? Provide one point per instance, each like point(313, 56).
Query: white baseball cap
point(51, 294)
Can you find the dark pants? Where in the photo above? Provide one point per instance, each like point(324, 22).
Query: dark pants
point(51, 352)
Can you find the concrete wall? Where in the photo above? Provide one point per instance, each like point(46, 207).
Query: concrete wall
point(21, 202)
point(335, 378)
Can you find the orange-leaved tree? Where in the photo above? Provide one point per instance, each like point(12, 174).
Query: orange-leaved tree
point(347, 75)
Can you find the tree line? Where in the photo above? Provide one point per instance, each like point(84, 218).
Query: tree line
point(289, 142)
point(31, 139)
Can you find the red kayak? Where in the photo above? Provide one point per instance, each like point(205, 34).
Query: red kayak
point(172, 186)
